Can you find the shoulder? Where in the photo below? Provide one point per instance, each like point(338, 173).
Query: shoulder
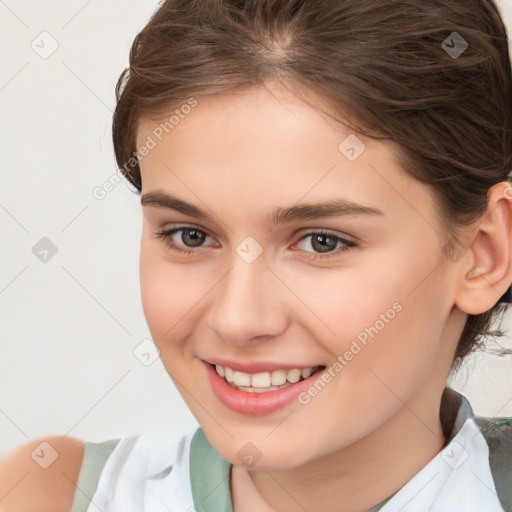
point(41, 475)
point(145, 470)
point(498, 434)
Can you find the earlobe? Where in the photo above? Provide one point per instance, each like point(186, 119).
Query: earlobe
point(490, 272)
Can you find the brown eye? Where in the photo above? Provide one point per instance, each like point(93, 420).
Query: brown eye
point(324, 242)
point(190, 238)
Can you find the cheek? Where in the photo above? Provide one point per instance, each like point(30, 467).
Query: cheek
point(383, 346)
point(377, 323)
point(168, 294)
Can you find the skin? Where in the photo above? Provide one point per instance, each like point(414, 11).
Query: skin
point(26, 486)
point(376, 424)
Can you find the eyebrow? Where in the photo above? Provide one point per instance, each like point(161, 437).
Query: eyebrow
point(304, 211)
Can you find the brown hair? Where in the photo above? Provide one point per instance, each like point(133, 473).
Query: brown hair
point(390, 70)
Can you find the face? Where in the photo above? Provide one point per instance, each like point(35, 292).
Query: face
point(360, 287)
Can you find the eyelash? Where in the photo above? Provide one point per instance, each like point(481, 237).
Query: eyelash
point(166, 235)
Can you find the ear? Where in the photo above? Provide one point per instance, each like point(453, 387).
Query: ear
point(487, 273)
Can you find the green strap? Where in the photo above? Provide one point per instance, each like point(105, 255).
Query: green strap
point(209, 476)
point(95, 457)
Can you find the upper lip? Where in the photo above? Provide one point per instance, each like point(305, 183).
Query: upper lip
point(257, 366)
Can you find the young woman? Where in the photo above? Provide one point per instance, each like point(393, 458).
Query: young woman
point(327, 234)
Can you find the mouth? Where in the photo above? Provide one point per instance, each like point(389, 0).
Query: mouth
point(264, 382)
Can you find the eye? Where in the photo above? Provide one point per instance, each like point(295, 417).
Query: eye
point(190, 237)
point(325, 243)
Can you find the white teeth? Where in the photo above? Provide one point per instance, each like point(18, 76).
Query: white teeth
point(293, 375)
point(229, 374)
point(306, 372)
point(266, 380)
point(278, 377)
point(262, 380)
point(241, 379)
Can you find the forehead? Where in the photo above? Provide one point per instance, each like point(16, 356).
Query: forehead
point(259, 128)
point(269, 148)
point(270, 113)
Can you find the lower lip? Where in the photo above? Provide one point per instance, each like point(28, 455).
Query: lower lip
point(256, 403)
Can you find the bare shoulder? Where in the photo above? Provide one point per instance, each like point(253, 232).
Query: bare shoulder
point(40, 475)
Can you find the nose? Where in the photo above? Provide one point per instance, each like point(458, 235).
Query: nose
point(248, 303)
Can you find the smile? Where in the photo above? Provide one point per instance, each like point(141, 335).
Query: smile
point(249, 400)
point(265, 381)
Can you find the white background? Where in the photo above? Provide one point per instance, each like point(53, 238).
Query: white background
point(69, 326)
